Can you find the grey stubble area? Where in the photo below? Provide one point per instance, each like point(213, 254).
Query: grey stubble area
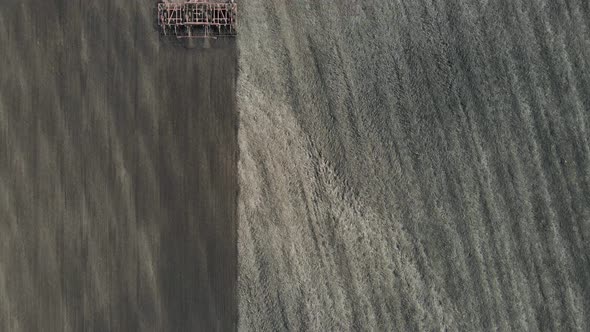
point(414, 165)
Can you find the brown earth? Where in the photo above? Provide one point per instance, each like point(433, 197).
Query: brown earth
point(118, 179)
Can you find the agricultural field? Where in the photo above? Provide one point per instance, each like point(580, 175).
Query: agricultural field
point(414, 165)
point(341, 165)
point(118, 164)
